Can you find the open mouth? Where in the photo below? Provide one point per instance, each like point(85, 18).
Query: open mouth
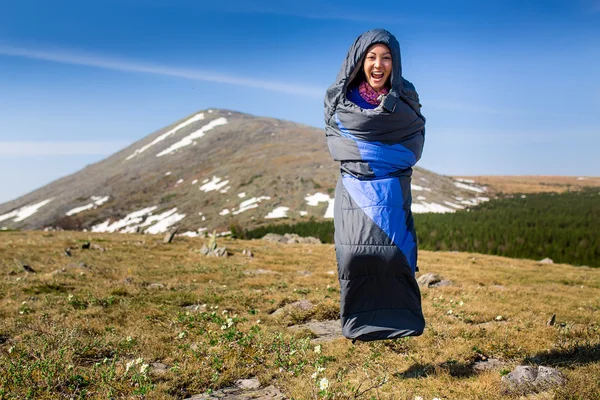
point(377, 75)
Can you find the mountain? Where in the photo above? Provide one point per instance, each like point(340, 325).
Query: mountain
point(208, 171)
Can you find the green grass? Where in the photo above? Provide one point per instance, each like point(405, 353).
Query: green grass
point(94, 333)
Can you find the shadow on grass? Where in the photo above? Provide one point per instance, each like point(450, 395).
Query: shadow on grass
point(578, 355)
point(452, 367)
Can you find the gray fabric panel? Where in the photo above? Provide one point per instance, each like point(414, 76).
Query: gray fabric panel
point(379, 295)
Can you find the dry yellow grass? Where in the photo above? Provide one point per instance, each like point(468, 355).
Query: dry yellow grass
point(535, 184)
point(73, 333)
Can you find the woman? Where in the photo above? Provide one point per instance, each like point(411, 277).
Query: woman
point(375, 129)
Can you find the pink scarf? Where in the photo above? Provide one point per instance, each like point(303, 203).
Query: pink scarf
point(369, 94)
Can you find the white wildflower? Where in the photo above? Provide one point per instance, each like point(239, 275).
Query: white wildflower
point(323, 384)
point(129, 365)
point(144, 369)
point(223, 327)
point(461, 303)
point(499, 318)
point(292, 352)
point(139, 360)
point(320, 369)
point(318, 349)
point(10, 350)
point(129, 338)
point(314, 375)
point(229, 322)
point(181, 335)
point(449, 312)
point(258, 321)
point(70, 297)
point(224, 312)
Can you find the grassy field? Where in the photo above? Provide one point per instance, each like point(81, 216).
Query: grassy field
point(535, 184)
point(91, 325)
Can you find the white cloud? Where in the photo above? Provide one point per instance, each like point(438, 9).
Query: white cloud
point(100, 61)
point(60, 148)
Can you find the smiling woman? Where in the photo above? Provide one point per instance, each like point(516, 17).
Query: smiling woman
point(376, 131)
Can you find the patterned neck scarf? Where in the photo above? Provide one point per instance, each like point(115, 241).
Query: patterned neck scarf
point(369, 94)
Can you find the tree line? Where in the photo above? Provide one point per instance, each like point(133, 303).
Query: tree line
point(564, 227)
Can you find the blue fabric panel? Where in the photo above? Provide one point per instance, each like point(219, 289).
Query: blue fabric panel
point(382, 201)
point(384, 159)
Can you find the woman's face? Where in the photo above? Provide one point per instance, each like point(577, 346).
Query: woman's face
point(378, 65)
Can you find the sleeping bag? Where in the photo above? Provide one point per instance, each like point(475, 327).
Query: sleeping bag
point(375, 240)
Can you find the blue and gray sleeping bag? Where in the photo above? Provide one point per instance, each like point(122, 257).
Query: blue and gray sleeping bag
point(375, 239)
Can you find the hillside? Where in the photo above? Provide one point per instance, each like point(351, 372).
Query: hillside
point(132, 316)
point(208, 171)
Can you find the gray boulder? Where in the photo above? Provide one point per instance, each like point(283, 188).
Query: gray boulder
point(525, 379)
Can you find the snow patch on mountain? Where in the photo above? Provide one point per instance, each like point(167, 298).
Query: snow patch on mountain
point(250, 204)
point(186, 141)
point(469, 187)
point(197, 117)
point(96, 202)
point(24, 212)
point(215, 184)
point(279, 212)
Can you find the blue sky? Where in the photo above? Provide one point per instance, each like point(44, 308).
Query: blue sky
point(508, 87)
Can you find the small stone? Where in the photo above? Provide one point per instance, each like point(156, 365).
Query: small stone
point(429, 279)
point(94, 246)
point(158, 368)
point(324, 330)
point(204, 250)
point(487, 364)
point(251, 383)
point(169, 236)
point(155, 286)
point(303, 305)
point(196, 308)
point(546, 261)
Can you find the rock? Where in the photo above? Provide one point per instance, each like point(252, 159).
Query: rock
point(324, 330)
point(247, 253)
point(155, 286)
point(546, 261)
point(85, 245)
point(268, 393)
point(220, 252)
point(259, 271)
point(58, 271)
point(158, 368)
point(551, 320)
point(251, 383)
point(304, 273)
point(303, 305)
point(27, 268)
point(196, 308)
point(169, 236)
point(429, 279)
point(442, 283)
point(94, 246)
point(273, 237)
point(290, 238)
point(487, 364)
point(548, 376)
point(217, 252)
point(525, 379)
point(204, 250)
